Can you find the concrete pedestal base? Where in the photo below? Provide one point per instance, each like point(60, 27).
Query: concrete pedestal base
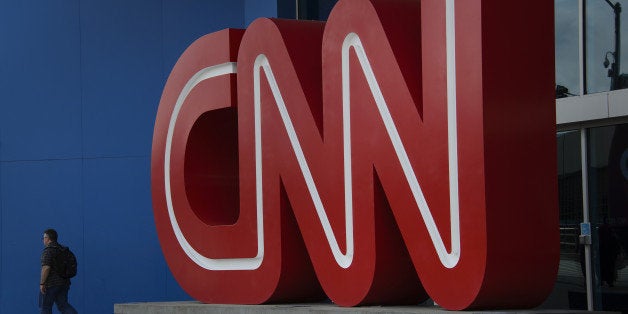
point(192, 307)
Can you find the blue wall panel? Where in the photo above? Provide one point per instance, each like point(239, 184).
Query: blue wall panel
point(187, 20)
point(121, 74)
point(35, 196)
point(259, 8)
point(80, 83)
point(123, 257)
point(40, 90)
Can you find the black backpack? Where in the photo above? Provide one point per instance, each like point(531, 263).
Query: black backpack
point(64, 262)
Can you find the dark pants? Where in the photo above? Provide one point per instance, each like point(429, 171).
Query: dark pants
point(56, 295)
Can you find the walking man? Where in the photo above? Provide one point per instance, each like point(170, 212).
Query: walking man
point(53, 287)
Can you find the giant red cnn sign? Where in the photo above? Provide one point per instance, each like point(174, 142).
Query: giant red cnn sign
point(400, 151)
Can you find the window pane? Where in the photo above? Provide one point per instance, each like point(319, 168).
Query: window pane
point(569, 178)
point(608, 195)
point(569, 288)
point(567, 48)
point(601, 45)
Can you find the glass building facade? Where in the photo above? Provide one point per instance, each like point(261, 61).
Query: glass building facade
point(592, 142)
